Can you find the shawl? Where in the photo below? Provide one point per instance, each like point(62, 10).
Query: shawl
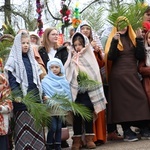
point(15, 65)
point(94, 35)
point(5, 104)
point(131, 34)
point(86, 62)
point(147, 62)
point(53, 84)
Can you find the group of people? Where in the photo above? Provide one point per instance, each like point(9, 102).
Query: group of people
point(49, 69)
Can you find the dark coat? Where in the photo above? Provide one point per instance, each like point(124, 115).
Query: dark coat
point(62, 54)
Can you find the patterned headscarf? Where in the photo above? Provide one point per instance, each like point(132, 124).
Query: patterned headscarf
point(5, 90)
point(15, 65)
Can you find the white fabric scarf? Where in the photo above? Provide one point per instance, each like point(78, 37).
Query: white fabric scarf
point(15, 65)
point(147, 54)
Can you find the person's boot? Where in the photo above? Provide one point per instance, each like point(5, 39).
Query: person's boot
point(57, 146)
point(49, 147)
point(77, 143)
point(89, 142)
point(114, 136)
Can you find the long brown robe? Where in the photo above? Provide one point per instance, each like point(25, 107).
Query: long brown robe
point(128, 101)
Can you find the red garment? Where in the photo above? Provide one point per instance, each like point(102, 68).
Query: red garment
point(99, 126)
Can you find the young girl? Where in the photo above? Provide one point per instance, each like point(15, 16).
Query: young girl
point(23, 74)
point(55, 83)
point(93, 99)
point(5, 109)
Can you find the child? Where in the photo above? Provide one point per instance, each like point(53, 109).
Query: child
point(55, 83)
point(144, 66)
point(5, 109)
point(23, 74)
point(94, 99)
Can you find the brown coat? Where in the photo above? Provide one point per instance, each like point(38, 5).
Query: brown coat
point(145, 72)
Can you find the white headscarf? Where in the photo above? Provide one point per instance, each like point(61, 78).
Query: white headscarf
point(16, 65)
point(94, 35)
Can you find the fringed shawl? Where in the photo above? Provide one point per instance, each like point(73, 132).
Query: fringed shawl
point(16, 66)
point(85, 61)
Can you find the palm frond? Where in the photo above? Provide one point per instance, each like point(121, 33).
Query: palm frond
point(60, 104)
point(37, 110)
point(134, 13)
point(85, 83)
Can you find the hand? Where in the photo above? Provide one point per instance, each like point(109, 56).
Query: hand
point(139, 33)
point(93, 43)
point(117, 36)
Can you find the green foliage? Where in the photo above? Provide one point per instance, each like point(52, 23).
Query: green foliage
point(8, 29)
point(4, 49)
point(134, 13)
point(36, 109)
point(85, 83)
point(94, 17)
point(60, 104)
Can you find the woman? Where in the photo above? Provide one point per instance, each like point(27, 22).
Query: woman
point(123, 50)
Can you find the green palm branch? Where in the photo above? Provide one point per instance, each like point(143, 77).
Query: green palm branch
point(134, 13)
point(86, 83)
point(58, 104)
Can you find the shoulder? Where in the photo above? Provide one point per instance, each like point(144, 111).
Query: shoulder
point(62, 48)
point(42, 50)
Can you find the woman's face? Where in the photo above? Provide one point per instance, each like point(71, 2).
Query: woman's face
point(53, 36)
point(86, 30)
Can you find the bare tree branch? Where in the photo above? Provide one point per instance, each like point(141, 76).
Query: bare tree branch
point(46, 3)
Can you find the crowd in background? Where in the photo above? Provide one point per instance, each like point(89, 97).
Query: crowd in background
point(117, 65)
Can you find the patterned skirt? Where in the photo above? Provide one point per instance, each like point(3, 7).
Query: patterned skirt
point(26, 136)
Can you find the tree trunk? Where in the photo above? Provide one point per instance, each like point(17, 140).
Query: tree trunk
point(7, 12)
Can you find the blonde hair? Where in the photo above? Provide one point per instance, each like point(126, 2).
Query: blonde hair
point(46, 42)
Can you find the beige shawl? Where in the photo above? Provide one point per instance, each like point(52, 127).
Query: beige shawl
point(86, 62)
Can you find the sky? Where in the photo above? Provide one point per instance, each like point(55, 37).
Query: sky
point(57, 5)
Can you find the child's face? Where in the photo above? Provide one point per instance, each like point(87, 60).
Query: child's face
point(148, 38)
point(78, 46)
point(25, 44)
point(55, 69)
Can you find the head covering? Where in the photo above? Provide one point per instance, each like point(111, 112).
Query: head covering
point(16, 65)
point(132, 37)
point(94, 35)
point(32, 33)
point(146, 26)
point(53, 84)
